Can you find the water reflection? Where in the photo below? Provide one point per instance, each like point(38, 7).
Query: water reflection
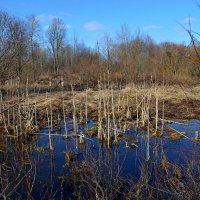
point(30, 169)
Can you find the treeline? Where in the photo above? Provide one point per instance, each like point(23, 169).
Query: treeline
point(27, 51)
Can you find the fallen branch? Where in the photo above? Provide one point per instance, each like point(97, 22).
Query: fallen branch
point(170, 121)
point(180, 133)
point(53, 134)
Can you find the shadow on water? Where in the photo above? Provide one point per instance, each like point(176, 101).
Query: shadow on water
point(31, 169)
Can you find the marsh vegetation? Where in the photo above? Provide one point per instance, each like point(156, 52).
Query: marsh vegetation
point(120, 121)
point(131, 142)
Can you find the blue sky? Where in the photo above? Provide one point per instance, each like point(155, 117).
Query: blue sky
point(90, 20)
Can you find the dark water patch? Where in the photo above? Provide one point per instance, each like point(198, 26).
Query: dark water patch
point(50, 169)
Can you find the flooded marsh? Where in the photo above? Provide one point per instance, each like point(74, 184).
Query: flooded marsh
point(100, 144)
point(31, 169)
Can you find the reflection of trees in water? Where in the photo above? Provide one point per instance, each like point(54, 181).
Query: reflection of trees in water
point(17, 169)
point(95, 170)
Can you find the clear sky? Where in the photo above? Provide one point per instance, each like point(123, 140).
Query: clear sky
point(90, 20)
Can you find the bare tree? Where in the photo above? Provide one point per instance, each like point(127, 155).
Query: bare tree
point(33, 35)
point(124, 49)
point(13, 42)
point(107, 51)
point(19, 44)
point(5, 43)
point(56, 36)
point(194, 46)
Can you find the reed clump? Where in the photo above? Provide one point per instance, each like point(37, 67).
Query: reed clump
point(144, 107)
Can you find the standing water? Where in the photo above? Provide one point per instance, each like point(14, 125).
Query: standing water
point(30, 170)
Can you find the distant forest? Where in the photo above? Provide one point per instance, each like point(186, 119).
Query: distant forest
point(26, 50)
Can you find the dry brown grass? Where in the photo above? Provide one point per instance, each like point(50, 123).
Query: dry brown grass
point(180, 103)
point(172, 95)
